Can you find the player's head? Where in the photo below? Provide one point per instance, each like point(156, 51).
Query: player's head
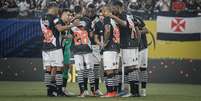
point(105, 10)
point(78, 10)
point(90, 10)
point(53, 8)
point(66, 15)
point(117, 7)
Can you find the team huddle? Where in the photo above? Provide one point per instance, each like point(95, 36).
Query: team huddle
point(111, 38)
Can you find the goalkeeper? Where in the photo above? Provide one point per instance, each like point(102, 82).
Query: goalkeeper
point(67, 55)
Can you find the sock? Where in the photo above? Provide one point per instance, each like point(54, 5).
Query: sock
point(144, 77)
point(85, 78)
point(91, 79)
point(64, 82)
point(97, 75)
point(81, 80)
point(135, 82)
point(116, 83)
point(47, 82)
point(47, 78)
point(59, 82)
point(85, 83)
point(109, 88)
point(119, 87)
point(115, 88)
point(131, 87)
point(96, 83)
point(97, 70)
point(65, 77)
point(81, 86)
point(53, 86)
point(109, 84)
point(136, 87)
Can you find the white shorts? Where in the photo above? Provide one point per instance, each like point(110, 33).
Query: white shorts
point(96, 54)
point(81, 58)
point(143, 58)
point(110, 60)
point(53, 58)
point(130, 57)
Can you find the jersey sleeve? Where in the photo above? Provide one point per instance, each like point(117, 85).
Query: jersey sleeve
point(100, 29)
point(96, 30)
point(107, 21)
point(124, 17)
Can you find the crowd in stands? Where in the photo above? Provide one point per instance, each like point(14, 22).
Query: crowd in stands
point(27, 8)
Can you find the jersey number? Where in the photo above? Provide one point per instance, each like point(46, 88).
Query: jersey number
point(81, 37)
point(116, 34)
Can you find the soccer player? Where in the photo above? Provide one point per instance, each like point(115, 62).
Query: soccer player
point(66, 17)
point(98, 27)
point(52, 53)
point(92, 19)
point(88, 16)
point(143, 55)
point(111, 46)
point(129, 45)
point(83, 54)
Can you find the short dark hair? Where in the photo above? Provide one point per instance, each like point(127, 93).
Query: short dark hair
point(52, 4)
point(117, 3)
point(77, 9)
point(66, 10)
point(91, 5)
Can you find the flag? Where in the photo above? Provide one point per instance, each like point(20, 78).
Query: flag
point(178, 28)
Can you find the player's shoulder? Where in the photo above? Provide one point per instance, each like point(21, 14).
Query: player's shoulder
point(125, 14)
point(139, 21)
point(107, 20)
point(86, 19)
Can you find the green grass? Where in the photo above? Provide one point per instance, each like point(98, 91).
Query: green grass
point(36, 91)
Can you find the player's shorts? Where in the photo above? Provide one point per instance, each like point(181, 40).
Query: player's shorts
point(143, 58)
point(53, 58)
point(81, 58)
point(110, 60)
point(130, 57)
point(67, 56)
point(96, 54)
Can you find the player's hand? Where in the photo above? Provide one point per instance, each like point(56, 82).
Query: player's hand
point(101, 45)
point(70, 36)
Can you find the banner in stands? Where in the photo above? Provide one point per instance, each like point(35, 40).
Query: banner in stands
point(178, 28)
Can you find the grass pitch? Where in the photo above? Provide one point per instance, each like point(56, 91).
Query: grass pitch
point(36, 91)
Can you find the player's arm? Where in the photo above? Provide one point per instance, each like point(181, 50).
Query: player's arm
point(119, 21)
point(96, 39)
point(139, 22)
point(106, 34)
point(58, 25)
point(61, 28)
point(144, 30)
point(96, 35)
